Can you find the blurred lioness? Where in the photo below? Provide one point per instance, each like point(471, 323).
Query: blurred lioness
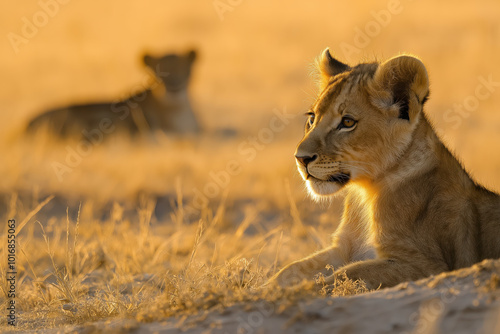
point(411, 210)
point(164, 106)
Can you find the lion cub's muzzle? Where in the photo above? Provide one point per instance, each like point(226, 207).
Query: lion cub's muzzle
point(305, 160)
point(340, 178)
point(311, 166)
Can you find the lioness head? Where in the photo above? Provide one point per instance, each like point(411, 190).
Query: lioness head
point(172, 69)
point(361, 122)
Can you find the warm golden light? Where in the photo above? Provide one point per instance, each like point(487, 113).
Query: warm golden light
point(154, 217)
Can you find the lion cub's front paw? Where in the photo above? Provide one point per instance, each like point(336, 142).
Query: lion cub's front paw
point(293, 274)
point(287, 276)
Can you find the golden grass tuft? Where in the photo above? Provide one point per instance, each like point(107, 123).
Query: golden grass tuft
point(146, 256)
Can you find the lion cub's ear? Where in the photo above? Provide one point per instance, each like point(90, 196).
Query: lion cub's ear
point(329, 67)
point(401, 85)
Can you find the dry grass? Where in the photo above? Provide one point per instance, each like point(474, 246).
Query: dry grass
point(149, 253)
point(75, 266)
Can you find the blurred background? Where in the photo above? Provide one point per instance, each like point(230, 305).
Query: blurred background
point(254, 57)
point(211, 212)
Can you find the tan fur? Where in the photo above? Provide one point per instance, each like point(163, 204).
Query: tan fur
point(163, 106)
point(411, 210)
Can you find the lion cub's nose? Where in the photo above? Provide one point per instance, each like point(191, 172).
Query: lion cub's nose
point(305, 160)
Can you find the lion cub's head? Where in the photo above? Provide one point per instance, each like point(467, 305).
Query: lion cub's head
point(361, 122)
point(172, 69)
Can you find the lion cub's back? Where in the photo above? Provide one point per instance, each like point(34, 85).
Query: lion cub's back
point(71, 121)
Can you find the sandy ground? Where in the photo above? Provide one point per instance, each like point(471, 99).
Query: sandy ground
point(464, 301)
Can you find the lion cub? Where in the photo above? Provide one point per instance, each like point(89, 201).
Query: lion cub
point(163, 106)
point(411, 209)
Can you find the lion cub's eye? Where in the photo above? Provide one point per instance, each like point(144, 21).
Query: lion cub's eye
point(347, 123)
point(310, 119)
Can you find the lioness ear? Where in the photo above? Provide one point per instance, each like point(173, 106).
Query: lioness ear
point(329, 67)
point(149, 61)
point(402, 84)
point(192, 55)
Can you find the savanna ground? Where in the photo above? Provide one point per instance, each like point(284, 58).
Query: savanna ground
point(157, 230)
